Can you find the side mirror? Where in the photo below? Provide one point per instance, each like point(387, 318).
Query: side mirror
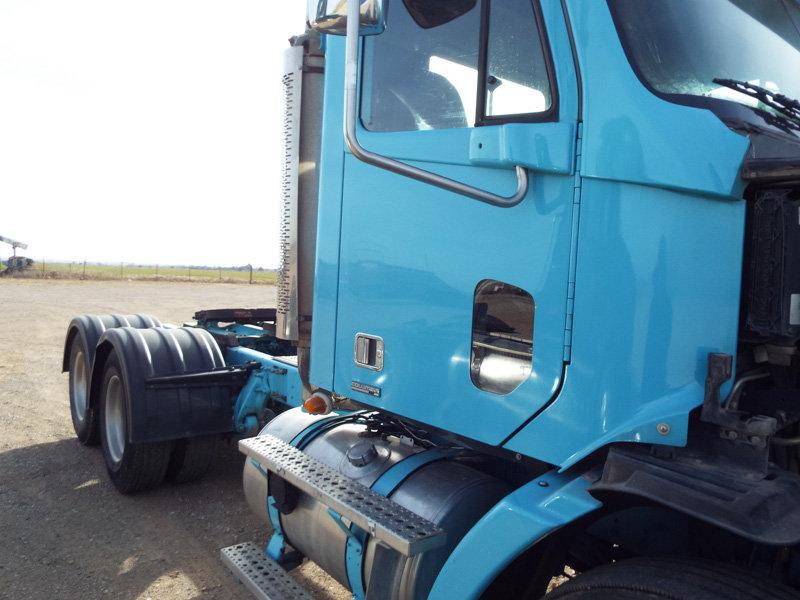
point(330, 16)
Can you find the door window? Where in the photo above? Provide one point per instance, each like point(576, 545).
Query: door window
point(502, 336)
point(427, 73)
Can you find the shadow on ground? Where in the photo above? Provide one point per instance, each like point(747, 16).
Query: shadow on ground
point(58, 509)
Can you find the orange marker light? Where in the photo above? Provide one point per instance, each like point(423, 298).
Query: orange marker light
point(318, 404)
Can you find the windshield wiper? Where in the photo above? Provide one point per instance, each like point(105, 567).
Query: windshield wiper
point(788, 107)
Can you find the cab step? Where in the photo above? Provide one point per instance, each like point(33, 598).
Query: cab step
point(385, 520)
point(265, 578)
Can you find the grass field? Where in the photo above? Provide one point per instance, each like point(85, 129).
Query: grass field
point(62, 270)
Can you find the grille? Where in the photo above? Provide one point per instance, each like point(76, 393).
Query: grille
point(771, 292)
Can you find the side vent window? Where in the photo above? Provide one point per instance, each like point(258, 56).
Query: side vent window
point(517, 82)
point(502, 336)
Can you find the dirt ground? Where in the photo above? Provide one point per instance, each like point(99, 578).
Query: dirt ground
point(64, 530)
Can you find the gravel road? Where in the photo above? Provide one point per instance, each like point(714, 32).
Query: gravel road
point(64, 531)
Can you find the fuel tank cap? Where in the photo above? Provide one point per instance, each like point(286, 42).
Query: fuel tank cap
point(362, 453)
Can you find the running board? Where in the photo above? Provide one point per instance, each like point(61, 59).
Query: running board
point(265, 578)
point(385, 520)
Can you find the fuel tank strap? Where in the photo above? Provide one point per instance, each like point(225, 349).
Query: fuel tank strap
point(388, 482)
point(277, 543)
point(398, 473)
point(307, 435)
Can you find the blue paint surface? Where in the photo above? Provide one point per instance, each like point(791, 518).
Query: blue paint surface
point(547, 148)
point(634, 260)
point(411, 257)
point(657, 288)
point(632, 135)
point(238, 329)
point(326, 275)
point(275, 379)
point(658, 265)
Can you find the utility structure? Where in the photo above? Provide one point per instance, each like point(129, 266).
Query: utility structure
point(16, 263)
point(539, 306)
point(14, 244)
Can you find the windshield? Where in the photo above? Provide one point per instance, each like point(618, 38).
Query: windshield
point(681, 46)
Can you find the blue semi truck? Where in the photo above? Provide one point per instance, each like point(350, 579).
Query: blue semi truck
point(538, 311)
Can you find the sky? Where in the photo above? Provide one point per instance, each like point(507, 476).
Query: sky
point(143, 132)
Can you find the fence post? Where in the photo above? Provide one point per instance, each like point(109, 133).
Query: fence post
point(190, 274)
point(156, 271)
point(121, 271)
point(251, 274)
point(84, 269)
point(43, 266)
point(220, 273)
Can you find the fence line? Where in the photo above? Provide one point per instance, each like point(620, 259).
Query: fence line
point(88, 270)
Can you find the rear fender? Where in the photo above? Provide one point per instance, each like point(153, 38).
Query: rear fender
point(166, 411)
point(90, 327)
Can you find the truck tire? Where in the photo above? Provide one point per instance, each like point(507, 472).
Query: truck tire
point(132, 467)
point(191, 458)
point(670, 579)
point(84, 414)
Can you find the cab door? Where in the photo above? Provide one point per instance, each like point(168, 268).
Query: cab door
point(451, 311)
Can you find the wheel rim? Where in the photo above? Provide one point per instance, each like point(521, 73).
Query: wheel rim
point(79, 385)
point(115, 419)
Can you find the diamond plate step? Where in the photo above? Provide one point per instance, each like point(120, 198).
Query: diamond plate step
point(385, 520)
point(265, 578)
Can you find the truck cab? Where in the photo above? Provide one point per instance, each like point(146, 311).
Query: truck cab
point(543, 236)
point(583, 313)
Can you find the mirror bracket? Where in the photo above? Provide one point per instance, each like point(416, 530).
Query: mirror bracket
point(330, 17)
point(550, 148)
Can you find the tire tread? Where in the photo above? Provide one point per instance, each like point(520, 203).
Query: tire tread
point(89, 433)
point(191, 458)
point(144, 465)
point(673, 579)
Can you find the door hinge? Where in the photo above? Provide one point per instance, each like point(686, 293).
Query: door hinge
point(573, 251)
